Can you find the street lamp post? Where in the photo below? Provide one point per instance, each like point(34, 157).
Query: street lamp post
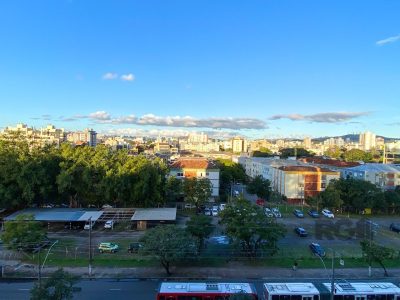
point(90, 247)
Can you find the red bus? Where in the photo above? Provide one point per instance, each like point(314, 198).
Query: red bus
point(204, 291)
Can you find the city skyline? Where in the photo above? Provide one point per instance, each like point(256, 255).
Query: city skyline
point(263, 70)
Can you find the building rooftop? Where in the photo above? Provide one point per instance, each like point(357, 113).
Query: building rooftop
point(305, 169)
point(364, 288)
point(154, 214)
point(193, 163)
point(329, 162)
point(375, 167)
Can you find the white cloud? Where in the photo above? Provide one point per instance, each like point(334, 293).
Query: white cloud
point(100, 116)
point(128, 77)
point(110, 76)
point(389, 40)
point(179, 121)
point(329, 117)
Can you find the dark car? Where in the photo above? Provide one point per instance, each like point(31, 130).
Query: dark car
point(395, 227)
point(301, 231)
point(298, 213)
point(313, 213)
point(135, 247)
point(317, 249)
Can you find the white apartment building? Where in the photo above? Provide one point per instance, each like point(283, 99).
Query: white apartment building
point(367, 140)
point(199, 167)
point(47, 135)
point(384, 176)
point(294, 179)
point(195, 137)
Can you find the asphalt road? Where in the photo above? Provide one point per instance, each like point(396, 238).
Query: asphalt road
point(116, 290)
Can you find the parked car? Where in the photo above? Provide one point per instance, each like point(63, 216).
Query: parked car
point(268, 212)
point(88, 225)
point(134, 247)
point(106, 206)
point(222, 206)
point(298, 213)
point(301, 231)
point(109, 224)
point(327, 213)
point(313, 213)
point(276, 212)
point(189, 206)
point(214, 211)
point(317, 249)
point(108, 247)
point(260, 202)
point(207, 211)
point(395, 227)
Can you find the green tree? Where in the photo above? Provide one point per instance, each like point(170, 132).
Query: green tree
point(259, 186)
point(230, 172)
point(376, 253)
point(173, 189)
point(59, 286)
point(334, 152)
point(23, 233)
point(263, 152)
point(169, 244)
point(200, 227)
point(197, 190)
point(357, 155)
point(250, 228)
point(298, 152)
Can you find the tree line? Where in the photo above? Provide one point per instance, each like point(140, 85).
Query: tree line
point(78, 176)
point(354, 195)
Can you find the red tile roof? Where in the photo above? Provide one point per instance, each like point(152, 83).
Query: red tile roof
point(304, 169)
point(329, 162)
point(193, 163)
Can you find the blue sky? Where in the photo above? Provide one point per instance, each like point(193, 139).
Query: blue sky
point(257, 68)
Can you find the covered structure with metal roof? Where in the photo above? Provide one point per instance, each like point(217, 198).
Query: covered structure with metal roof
point(58, 214)
point(145, 217)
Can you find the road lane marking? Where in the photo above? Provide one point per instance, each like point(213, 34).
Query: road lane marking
point(115, 289)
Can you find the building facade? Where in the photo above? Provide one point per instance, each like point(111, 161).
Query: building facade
point(188, 167)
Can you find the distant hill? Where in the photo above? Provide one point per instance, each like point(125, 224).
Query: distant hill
point(353, 138)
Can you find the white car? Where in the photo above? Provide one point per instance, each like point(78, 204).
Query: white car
point(189, 206)
point(88, 225)
point(215, 212)
point(327, 213)
point(207, 211)
point(109, 224)
point(276, 212)
point(222, 206)
point(106, 206)
point(268, 212)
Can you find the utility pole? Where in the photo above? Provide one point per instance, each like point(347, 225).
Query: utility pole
point(90, 247)
point(39, 269)
point(333, 275)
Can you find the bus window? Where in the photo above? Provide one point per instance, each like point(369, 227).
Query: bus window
point(284, 297)
point(171, 298)
point(316, 297)
point(296, 297)
point(348, 297)
point(338, 297)
point(219, 298)
point(274, 297)
point(161, 298)
point(380, 297)
point(390, 297)
point(304, 298)
point(371, 297)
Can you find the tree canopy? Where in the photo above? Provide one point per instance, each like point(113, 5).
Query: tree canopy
point(298, 152)
point(59, 286)
point(376, 253)
point(259, 186)
point(230, 172)
point(200, 227)
point(80, 176)
point(169, 244)
point(250, 228)
point(197, 190)
point(23, 233)
point(357, 155)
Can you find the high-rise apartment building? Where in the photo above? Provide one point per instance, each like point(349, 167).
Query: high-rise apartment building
point(367, 140)
point(239, 145)
point(88, 136)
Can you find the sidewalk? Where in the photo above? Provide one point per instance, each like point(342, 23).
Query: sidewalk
point(232, 272)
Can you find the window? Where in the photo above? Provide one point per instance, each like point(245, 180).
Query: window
point(296, 297)
point(207, 174)
point(349, 297)
point(316, 297)
point(161, 298)
point(323, 185)
point(284, 297)
point(179, 174)
point(338, 297)
point(275, 297)
point(371, 297)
